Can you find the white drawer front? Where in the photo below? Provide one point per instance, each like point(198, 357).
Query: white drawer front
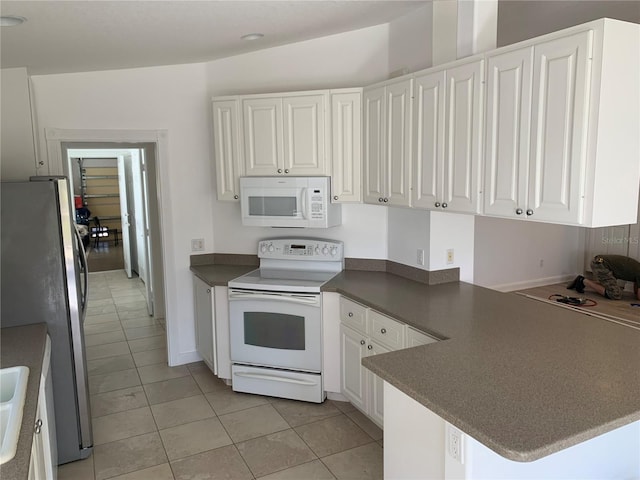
point(354, 315)
point(386, 330)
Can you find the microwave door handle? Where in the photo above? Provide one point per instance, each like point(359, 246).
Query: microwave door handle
point(303, 202)
point(233, 296)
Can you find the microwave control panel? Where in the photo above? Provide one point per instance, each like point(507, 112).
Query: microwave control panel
point(316, 203)
point(301, 249)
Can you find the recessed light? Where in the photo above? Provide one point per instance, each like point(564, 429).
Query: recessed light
point(252, 36)
point(11, 20)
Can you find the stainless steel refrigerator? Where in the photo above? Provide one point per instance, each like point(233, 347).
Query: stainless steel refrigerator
point(44, 279)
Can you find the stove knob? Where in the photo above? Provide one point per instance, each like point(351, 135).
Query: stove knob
point(271, 249)
point(317, 250)
point(325, 250)
point(263, 248)
point(334, 250)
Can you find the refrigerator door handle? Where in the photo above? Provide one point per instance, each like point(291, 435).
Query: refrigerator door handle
point(85, 271)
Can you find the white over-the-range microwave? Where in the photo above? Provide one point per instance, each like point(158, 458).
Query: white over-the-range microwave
point(288, 202)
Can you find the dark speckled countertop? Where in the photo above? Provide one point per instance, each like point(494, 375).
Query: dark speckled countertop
point(220, 275)
point(24, 346)
point(523, 377)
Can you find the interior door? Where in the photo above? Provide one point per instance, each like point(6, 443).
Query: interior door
point(124, 212)
point(146, 231)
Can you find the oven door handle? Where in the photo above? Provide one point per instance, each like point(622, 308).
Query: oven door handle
point(274, 378)
point(303, 300)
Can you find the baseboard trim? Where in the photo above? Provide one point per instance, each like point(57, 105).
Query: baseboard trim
point(510, 287)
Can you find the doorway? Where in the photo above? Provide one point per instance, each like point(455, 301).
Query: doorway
point(113, 182)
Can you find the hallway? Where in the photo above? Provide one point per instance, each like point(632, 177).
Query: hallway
point(155, 422)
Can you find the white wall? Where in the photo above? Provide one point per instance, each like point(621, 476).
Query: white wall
point(350, 59)
point(409, 231)
point(509, 253)
point(172, 98)
point(410, 40)
point(17, 157)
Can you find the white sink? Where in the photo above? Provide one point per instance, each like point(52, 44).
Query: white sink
point(13, 390)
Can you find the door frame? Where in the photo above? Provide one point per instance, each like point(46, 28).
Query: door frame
point(165, 272)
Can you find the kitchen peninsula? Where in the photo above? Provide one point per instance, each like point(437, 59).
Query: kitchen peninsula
point(525, 378)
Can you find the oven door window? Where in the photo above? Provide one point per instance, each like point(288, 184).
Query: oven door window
point(274, 330)
point(273, 206)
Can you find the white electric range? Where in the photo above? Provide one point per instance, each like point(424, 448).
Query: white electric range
point(276, 319)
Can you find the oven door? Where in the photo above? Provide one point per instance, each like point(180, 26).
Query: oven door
point(275, 329)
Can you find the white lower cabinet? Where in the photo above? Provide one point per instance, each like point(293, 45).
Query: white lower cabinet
point(365, 332)
point(212, 327)
point(43, 463)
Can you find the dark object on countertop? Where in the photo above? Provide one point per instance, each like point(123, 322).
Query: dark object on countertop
point(577, 284)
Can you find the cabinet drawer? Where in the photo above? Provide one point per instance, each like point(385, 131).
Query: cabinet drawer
point(353, 314)
point(386, 330)
point(416, 338)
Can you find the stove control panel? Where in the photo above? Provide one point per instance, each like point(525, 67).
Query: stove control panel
point(301, 249)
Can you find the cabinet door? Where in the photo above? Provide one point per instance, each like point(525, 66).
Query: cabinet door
point(386, 330)
point(262, 121)
point(346, 141)
point(374, 145)
point(508, 131)
point(560, 99)
point(204, 322)
point(463, 137)
point(376, 387)
point(226, 138)
point(429, 121)
point(304, 135)
point(399, 106)
point(354, 381)
point(416, 338)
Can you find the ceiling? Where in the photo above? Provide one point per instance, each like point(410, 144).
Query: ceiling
point(62, 36)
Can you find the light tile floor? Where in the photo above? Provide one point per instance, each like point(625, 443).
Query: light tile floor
point(154, 422)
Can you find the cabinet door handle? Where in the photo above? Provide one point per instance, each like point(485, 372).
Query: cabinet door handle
point(529, 212)
point(385, 200)
point(286, 171)
point(279, 170)
point(351, 314)
point(335, 197)
point(437, 204)
point(518, 211)
point(38, 427)
point(383, 331)
point(380, 200)
point(362, 342)
point(235, 197)
point(444, 205)
point(208, 290)
point(369, 347)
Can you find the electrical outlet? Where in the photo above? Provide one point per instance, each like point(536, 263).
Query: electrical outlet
point(197, 244)
point(450, 256)
point(420, 257)
point(454, 443)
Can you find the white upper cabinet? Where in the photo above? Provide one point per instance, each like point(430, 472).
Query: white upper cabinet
point(374, 145)
point(285, 135)
point(346, 145)
point(562, 142)
point(227, 149)
point(304, 134)
point(263, 138)
point(448, 126)
point(507, 142)
point(428, 177)
point(387, 143)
